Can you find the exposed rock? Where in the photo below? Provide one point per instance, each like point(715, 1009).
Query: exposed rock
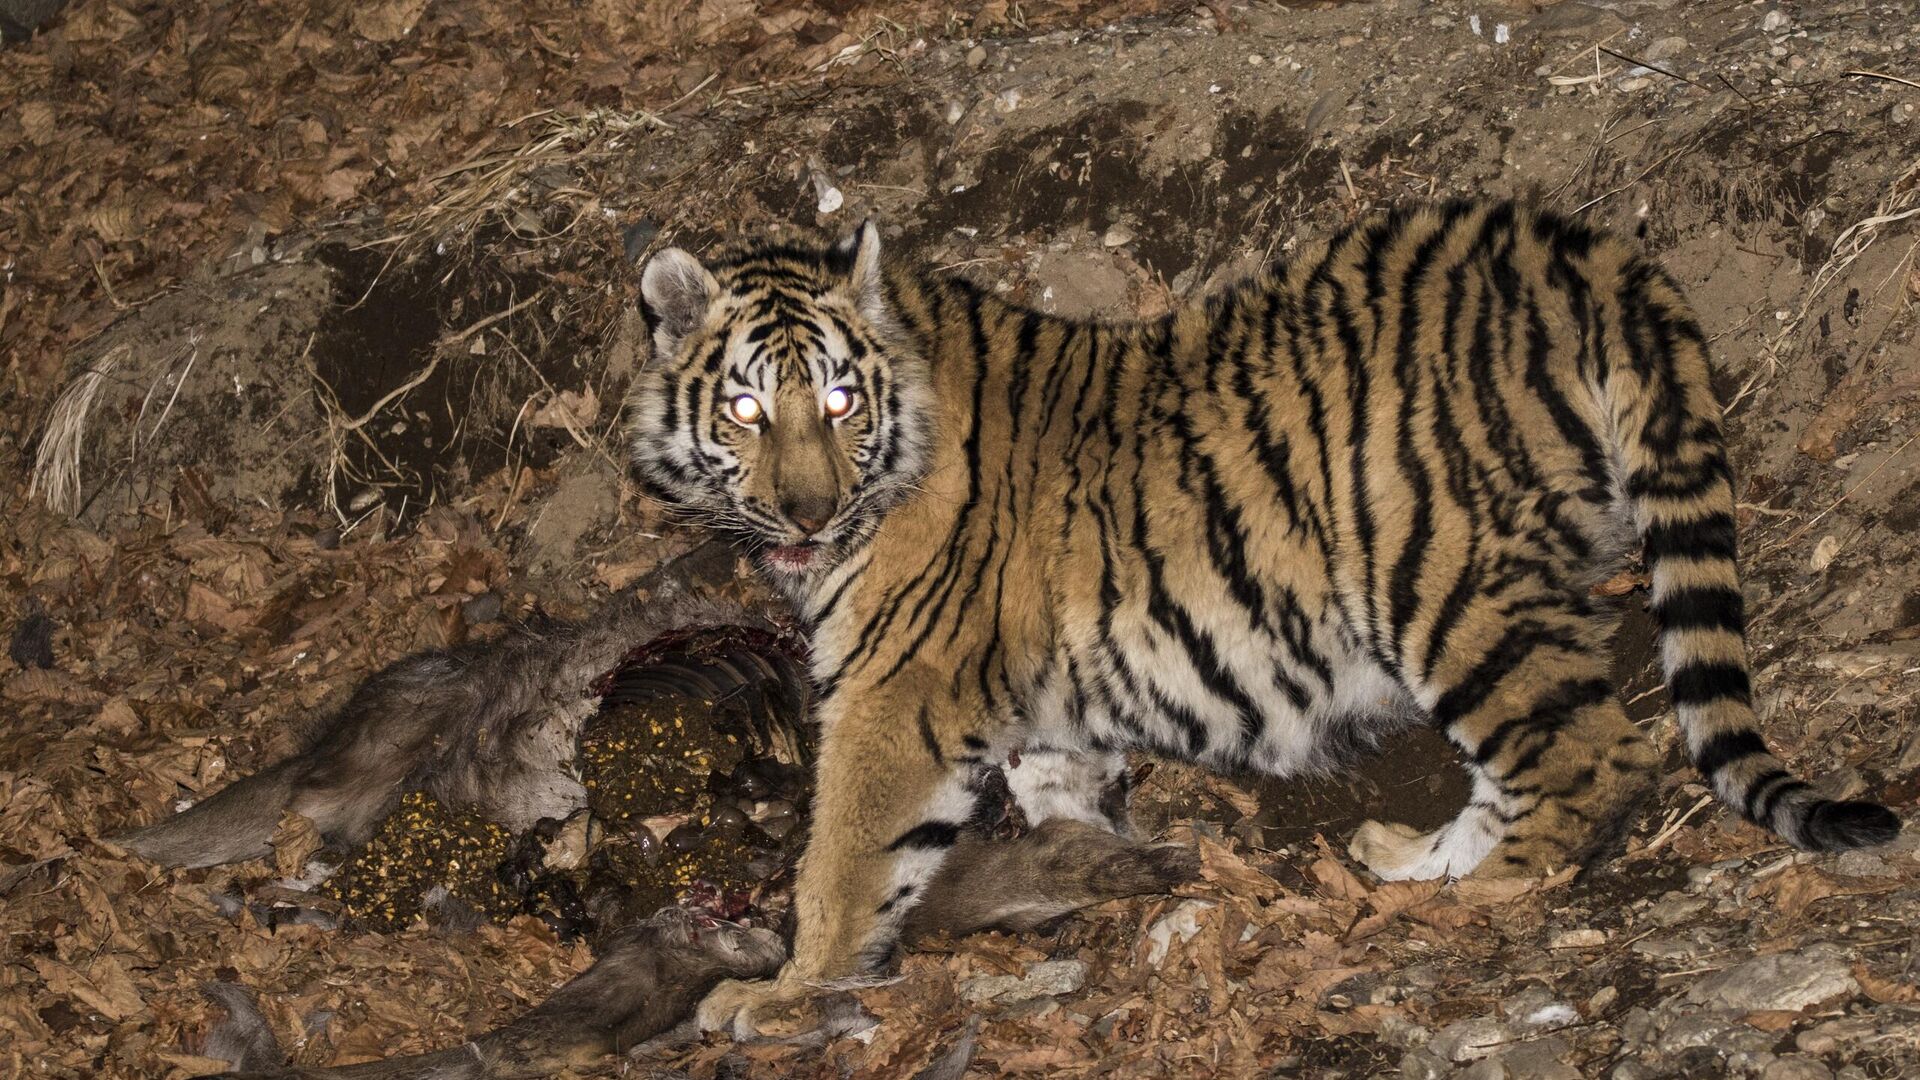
point(1783, 981)
point(1049, 978)
point(1536, 1009)
point(1795, 1067)
point(1471, 1039)
point(1548, 1058)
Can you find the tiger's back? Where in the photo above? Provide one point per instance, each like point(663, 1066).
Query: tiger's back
point(1369, 487)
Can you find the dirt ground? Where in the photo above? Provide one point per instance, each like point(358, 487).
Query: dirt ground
point(316, 321)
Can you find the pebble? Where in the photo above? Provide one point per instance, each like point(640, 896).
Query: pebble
point(1541, 1059)
point(1117, 235)
point(1579, 939)
point(1784, 981)
point(1484, 1069)
point(481, 609)
point(1397, 1030)
point(1776, 20)
point(1834, 1034)
point(1676, 907)
point(976, 57)
point(1666, 48)
point(1423, 1065)
point(1795, 1067)
point(1049, 978)
point(1471, 1039)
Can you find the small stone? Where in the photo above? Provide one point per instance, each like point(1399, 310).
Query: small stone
point(1484, 1069)
point(1470, 1040)
point(481, 609)
point(1423, 1065)
point(1786, 982)
point(976, 57)
point(1833, 1035)
point(326, 539)
point(1635, 85)
point(1541, 1059)
point(1579, 939)
point(1117, 235)
point(1862, 864)
point(1795, 1067)
point(1396, 1030)
point(1548, 1017)
point(635, 238)
point(1049, 978)
point(1676, 907)
point(1601, 999)
point(1776, 20)
point(1665, 48)
point(955, 111)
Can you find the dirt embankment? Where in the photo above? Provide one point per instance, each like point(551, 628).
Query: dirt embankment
point(379, 413)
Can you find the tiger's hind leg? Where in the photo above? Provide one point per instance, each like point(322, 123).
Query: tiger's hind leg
point(1522, 686)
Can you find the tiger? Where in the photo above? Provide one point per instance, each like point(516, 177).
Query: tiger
point(1364, 488)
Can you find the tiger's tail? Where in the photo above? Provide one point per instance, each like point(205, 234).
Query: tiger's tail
point(1680, 490)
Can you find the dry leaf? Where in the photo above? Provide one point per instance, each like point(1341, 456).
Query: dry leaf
point(1390, 900)
point(387, 20)
point(1233, 874)
point(1773, 1019)
point(1797, 888)
point(105, 988)
point(1493, 892)
point(294, 842)
point(1335, 881)
point(574, 411)
point(1884, 990)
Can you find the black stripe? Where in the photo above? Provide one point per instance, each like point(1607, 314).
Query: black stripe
point(1725, 748)
point(928, 836)
point(1707, 537)
point(926, 736)
point(1704, 683)
point(1702, 608)
point(1514, 647)
point(1766, 791)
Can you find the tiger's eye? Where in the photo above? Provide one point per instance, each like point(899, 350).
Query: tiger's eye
point(840, 402)
point(745, 410)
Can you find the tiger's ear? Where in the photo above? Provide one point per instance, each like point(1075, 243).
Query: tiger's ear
point(866, 282)
point(678, 291)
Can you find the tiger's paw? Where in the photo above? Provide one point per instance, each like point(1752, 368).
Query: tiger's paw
point(778, 1008)
point(1394, 852)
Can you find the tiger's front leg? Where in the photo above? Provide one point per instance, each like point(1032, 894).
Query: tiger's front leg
point(891, 797)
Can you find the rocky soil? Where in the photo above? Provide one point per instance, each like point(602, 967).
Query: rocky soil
point(316, 320)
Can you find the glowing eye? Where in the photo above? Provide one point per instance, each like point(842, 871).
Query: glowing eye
point(745, 409)
point(840, 402)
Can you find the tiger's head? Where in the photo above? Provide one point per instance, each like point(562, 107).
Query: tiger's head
point(783, 402)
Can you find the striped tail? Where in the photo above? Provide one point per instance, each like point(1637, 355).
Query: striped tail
point(1681, 493)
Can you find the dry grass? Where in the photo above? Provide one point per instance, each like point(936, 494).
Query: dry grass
point(56, 468)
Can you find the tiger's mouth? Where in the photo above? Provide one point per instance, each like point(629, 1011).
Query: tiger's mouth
point(794, 558)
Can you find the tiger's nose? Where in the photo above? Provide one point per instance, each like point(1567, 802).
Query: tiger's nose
point(809, 512)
